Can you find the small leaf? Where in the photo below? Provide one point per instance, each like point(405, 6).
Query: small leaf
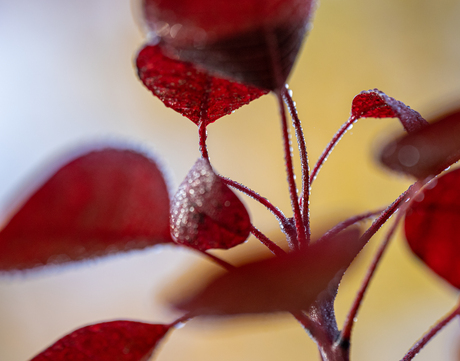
point(192, 92)
point(289, 283)
point(205, 213)
point(432, 227)
point(108, 341)
point(251, 41)
point(102, 202)
point(376, 104)
point(428, 151)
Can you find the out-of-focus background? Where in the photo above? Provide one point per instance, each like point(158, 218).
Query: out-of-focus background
point(67, 80)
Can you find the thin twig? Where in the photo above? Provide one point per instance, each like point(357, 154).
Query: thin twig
point(272, 246)
point(202, 132)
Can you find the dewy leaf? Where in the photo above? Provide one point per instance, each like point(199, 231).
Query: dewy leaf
point(252, 41)
point(432, 227)
point(205, 213)
point(102, 202)
point(192, 92)
point(108, 341)
point(376, 104)
point(289, 283)
point(428, 151)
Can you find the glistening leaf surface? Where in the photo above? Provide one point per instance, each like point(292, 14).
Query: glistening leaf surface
point(376, 104)
point(428, 151)
point(205, 213)
point(193, 93)
point(432, 227)
point(108, 341)
point(290, 283)
point(252, 41)
point(102, 202)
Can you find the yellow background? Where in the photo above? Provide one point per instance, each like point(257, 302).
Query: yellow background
point(67, 79)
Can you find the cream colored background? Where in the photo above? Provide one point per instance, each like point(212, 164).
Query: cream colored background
point(66, 79)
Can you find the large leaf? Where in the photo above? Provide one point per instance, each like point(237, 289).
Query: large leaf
point(376, 104)
point(108, 341)
point(102, 202)
point(252, 41)
point(432, 227)
point(192, 92)
point(428, 151)
point(289, 283)
point(205, 213)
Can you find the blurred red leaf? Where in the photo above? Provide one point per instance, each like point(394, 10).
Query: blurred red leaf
point(108, 341)
point(252, 41)
point(192, 92)
point(428, 151)
point(432, 227)
point(289, 283)
point(376, 104)
point(205, 213)
point(102, 202)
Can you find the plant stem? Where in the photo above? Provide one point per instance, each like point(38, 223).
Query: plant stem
point(347, 125)
point(305, 192)
point(256, 196)
point(272, 246)
point(181, 319)
point(299, 226)
point(220, 262)
point(202, 138)
point(431, 333)
point(351, 317)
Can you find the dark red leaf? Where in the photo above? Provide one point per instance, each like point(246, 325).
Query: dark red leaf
point(252, 41)
point(102, 202)
point(432, 227)
point(289, 283)
point(205, 213)
point(108, 341)
point(192, 92)
point(428, 151)
point(376, 104)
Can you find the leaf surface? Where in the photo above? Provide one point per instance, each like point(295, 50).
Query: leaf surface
point(252, 41)
point(108, 341)
point(102, 202)
point(428, 151)
point(432, 227)
point(289, 283)
point(193, 93)
point(376, 104)
point(205, 213)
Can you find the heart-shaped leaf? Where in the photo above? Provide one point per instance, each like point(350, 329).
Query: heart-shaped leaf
point(205, 213)
point(252, 41)
point(432, 227)
point(289, 283)
point(102, 202)
point(376, 104)
point(108, 341)
point(192, 92)
point(428, 151)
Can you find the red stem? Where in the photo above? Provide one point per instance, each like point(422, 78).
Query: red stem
point(300, 228)
point(202, 136)
point(272, 246)
point(431, 333)
point(351, 317)
point(181, 319)
point(331, 146)
point(305, 192)
point(262, 200)
point(220, 262)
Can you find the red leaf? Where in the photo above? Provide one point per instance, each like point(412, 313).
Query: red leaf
point(108, 341)
point(205, 213)
point(252, 41)
point(376, 104)
point(432, 227)
point(105, 201)
point(428, 151)
point(192, 92)
point(289, 283)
